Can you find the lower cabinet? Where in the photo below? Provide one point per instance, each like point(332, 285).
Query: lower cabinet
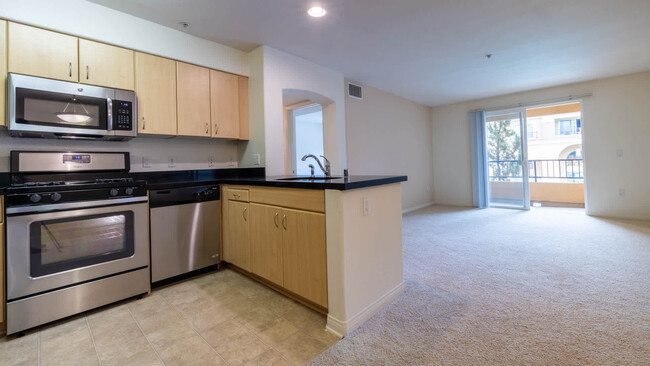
point(284, 245)
point(304, 255)
point(237, 249)
point(266, 242)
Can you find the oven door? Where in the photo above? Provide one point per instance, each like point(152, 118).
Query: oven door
point(52, 250)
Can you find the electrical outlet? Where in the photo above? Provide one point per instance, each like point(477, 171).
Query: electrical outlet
point(211, 162)
point(146, 163)
point(621, 192)
point(256, 159)
point(366, 206)
point(172, 162)
point(619, 153)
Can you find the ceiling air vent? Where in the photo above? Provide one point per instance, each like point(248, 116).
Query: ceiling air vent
point(355, 91)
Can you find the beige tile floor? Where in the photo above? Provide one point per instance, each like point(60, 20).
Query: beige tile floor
point(221, 318)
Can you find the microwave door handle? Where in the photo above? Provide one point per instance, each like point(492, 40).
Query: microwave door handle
point(109, 114)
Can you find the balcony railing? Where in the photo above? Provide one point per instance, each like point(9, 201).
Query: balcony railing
point(547, 170)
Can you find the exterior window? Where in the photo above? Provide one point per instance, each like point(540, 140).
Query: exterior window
point(532, 133)
point(567, 127)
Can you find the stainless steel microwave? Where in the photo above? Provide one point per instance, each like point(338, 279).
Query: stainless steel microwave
point(40, 107)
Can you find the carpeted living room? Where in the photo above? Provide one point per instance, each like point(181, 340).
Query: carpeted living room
point(549, 286)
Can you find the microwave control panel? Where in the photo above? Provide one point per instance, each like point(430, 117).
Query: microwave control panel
point(122, 115)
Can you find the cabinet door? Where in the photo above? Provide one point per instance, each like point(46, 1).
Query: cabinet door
point(34, 51)
point(193, 100)
point(3, 70)
point(155, 86)
point(244, 133)
point(304, 255)
point(224, 96)
point(105, 65)
point(266, 242)
point(238, 245)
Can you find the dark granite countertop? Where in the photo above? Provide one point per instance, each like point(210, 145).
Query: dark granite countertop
point(352, 182)
point(246, 176)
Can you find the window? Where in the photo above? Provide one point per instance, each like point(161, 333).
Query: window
point(532, 133)
point(567, 127)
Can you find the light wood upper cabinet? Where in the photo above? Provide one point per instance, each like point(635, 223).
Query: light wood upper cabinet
point(244, 133)
point(3, 71)
point(106, 65)
point(224, 97)
point(304, 254)
point(266, 242)
point(34, 51)
point(155, 86)
point(193, 100)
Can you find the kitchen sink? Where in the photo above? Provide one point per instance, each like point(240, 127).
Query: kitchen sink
point(309, 178)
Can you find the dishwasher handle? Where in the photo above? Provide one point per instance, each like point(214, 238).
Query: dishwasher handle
point(183, 195)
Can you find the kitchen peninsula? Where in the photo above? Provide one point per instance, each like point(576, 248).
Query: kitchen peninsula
point(362, 228)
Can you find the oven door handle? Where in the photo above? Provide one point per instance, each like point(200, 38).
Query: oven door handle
point(73, 205)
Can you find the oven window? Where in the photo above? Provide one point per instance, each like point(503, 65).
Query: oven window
point(37, 107)
point(65, 244)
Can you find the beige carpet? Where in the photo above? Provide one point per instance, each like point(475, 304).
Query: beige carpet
point(503, 287)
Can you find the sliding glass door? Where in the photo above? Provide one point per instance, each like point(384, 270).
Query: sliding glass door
point(507, 159)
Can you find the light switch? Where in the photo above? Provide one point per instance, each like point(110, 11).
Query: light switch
point(256, 159)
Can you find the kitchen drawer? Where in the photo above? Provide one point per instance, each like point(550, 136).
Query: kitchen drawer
point(304, 199)
point(237, 194)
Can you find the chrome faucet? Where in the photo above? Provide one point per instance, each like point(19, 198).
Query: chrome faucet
point(327, 170)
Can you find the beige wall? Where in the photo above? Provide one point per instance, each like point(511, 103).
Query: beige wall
point(389, 135)
point(364, 254)
point(616, 117)
point(281, 71)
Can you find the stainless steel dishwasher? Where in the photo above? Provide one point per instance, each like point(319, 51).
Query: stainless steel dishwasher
point(185, 228)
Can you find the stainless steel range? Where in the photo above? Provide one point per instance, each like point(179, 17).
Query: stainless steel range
point(77, 235)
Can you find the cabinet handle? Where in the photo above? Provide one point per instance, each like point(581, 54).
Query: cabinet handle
point(144, 125)
point(236, 195)
point(244, 214)
point(216, 129)
point(284, 221)
point(70, 69)
point(207, 128)
point(87, 72)
point(275, 220)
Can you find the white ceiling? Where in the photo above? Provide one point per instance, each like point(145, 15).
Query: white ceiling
point(430, 51)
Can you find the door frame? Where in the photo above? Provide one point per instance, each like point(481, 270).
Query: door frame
point(303, 108)
point(525, 169)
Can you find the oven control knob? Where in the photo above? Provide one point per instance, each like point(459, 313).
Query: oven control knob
point(128, 191)
point(55, 196)
point(35, 197)
point(113, 192)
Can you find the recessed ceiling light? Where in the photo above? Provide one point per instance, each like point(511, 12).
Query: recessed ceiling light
point(316, 12)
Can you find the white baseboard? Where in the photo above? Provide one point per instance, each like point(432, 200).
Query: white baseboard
point(341, 328)
point(415, 208)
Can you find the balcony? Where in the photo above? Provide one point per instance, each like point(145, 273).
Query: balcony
point(552, 181)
